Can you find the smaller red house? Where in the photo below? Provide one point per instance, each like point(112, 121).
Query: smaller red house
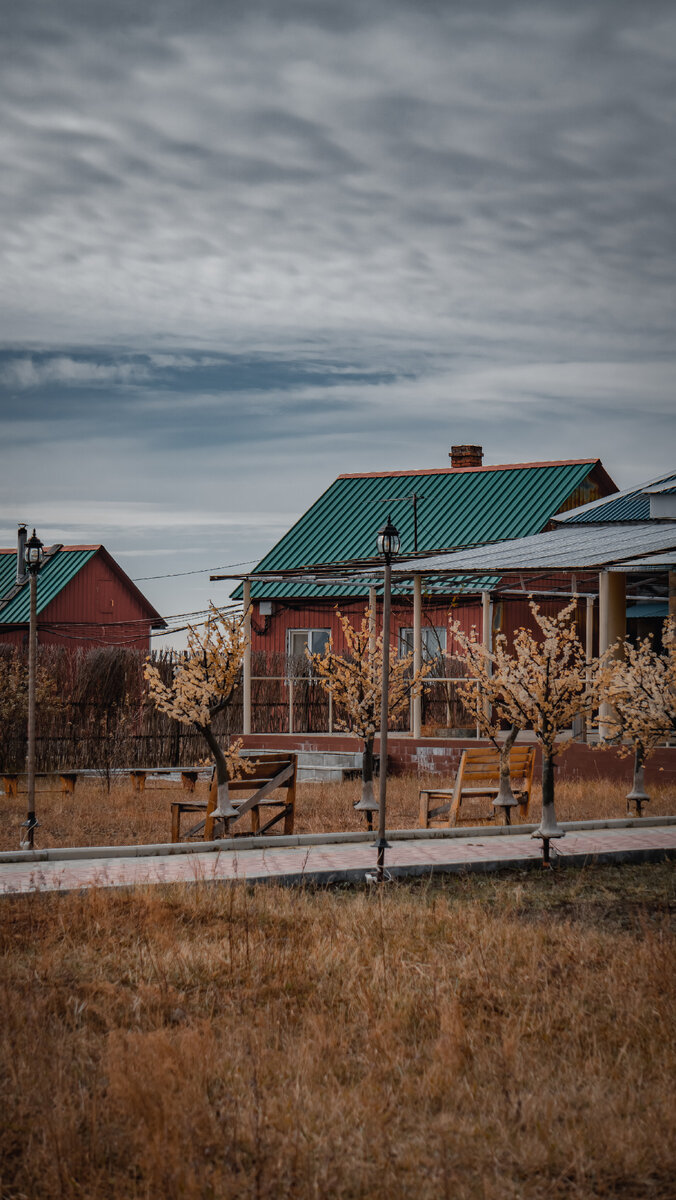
point(84, 599)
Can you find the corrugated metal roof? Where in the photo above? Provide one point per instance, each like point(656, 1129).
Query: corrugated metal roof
point(654, 608)
point(570, 548)
point(455, 507)
point(56, 572)
point(631, 505)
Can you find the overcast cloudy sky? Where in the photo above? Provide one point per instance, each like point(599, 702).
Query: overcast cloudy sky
point(247, 246)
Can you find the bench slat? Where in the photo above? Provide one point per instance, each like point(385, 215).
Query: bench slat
point(478, 776)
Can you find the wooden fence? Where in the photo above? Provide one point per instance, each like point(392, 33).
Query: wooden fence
point(94, 711)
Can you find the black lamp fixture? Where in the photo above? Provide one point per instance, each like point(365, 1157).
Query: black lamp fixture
point(34, 554)
point(388, 541)
point(388, 545)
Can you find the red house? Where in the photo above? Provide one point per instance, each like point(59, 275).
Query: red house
point(84, 599)
point(468, 503)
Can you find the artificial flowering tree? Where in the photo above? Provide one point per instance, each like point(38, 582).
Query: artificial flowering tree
point(640, 691)
point(354, 679)
point(482, 696)
point(202, 686)
point(542, 684)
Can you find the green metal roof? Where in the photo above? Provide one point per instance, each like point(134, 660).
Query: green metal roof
point(455, 508)
point(56, 572)
point(631, 505)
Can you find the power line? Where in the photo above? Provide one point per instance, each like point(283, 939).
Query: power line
point(200, 571)
point(198, 612)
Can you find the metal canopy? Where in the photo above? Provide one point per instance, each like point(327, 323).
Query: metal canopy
point(641, 547)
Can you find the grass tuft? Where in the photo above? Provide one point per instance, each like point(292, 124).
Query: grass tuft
point(93, 815)
point(471, 1037)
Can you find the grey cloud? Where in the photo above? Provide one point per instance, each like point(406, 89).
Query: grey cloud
point(424, 216)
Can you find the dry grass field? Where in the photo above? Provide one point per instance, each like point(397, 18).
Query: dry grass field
point(92, 815)
point(477, 1038)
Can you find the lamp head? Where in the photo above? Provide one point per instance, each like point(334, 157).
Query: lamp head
point(388, 540)
point(34, 554)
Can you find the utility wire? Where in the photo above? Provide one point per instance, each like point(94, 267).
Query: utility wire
point(200, 571)
point(198, 612)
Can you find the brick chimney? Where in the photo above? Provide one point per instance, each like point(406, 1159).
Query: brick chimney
point(466, 456)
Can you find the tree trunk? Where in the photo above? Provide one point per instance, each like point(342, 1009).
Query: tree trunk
point(224, 810)
point(548, 825)
point(505, 798)
point(638, 795)
point(368, 803)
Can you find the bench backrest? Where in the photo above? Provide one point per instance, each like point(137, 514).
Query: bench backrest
point(484, 763)
point(265, 766)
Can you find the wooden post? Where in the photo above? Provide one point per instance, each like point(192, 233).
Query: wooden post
point(246, 666)
point(373, 603)
point(588, 650)
point(384, 720)
point(417, 651)
point(612, 622)
point(28, 841)
point(487, 636)
point(672, 594)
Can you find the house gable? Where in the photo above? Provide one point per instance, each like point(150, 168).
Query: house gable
point(453, 507)
point(83, 598)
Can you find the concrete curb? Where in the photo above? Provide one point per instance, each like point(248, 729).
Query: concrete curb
point(158, 849)
point(485, 867)
point(358, 875)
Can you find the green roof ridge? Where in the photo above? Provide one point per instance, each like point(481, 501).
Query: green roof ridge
point(456, 508)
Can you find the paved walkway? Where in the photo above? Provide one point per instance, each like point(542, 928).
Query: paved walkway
point(335, 861)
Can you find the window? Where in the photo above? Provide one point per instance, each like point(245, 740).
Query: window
point(300, 640)
point(433, 642)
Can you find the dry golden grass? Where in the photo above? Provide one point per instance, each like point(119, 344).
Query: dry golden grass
point(93, 816)
point(472, 1038)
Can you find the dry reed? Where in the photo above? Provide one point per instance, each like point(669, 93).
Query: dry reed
point(94, 815)
point(475, 1038)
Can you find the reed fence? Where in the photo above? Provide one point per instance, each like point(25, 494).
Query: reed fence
point(94, 711)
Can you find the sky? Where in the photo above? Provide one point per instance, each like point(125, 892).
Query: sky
point(245, 247)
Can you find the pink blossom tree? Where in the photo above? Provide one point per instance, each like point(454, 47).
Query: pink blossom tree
point(355, 682)
point(202, 686)
point(640, 691)
point(541, 685)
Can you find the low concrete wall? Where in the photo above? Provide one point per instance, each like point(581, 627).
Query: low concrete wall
point(441, 756)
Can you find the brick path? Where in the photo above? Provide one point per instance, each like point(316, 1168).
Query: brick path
point(340, 861)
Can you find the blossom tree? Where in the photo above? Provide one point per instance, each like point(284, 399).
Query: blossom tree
point(640, 690)
point(355, 682)
point(542, 684)
point(484, 685)
point(202, 686)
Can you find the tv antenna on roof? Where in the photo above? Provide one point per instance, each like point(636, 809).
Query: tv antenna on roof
point(413, 499)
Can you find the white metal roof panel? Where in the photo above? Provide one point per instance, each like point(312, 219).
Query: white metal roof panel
point(571, 548)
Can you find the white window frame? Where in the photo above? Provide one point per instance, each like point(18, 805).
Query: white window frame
point(432, 648)
point(309, 635)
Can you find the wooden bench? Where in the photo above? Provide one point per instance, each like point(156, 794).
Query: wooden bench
point(189, 775)
point(272, 771)
point(11, 779)
point(478, 778)
point(137, 775)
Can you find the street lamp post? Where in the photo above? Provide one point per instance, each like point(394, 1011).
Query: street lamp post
point(34, 554)
point(388, 546)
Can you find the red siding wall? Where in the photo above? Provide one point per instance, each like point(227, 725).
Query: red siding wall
point(95, 609)
point(509, 614)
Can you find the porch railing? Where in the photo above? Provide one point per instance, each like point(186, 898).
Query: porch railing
point(291, 681)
